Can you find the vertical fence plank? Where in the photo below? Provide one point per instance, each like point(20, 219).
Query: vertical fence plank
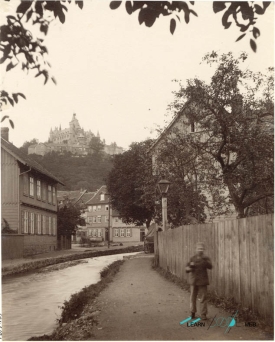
point(270, 237)
point(252, 224)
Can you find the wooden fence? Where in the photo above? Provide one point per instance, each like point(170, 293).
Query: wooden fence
point(241, 252)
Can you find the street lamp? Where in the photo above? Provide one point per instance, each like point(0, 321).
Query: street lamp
point(109, 217)
point(163, 186)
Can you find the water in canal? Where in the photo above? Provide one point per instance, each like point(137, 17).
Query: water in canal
point(31, 302)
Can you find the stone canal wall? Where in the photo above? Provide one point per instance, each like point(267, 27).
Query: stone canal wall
point(36, 264)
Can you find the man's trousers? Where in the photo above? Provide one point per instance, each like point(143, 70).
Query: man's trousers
point(202, 291)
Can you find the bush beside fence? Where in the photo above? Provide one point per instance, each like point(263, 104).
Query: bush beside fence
point(241, 251)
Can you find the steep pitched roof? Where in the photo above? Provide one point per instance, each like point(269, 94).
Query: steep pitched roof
point(26, 160)
point(96, 198)
point(170, 126)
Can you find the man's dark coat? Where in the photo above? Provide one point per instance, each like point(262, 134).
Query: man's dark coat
point(198, 274)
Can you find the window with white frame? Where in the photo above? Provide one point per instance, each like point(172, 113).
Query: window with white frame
point(107, 207)
point(99, 218)
point(106, 218)
point(90, 208)
point(54, 196)
point(90, 219)
point(94, 207)
point(26, 222)
point(49, 194)
point(122, 232)
point(43, 224)
point(99, 232)
point(99, 207)
point(32, 222)
point(38, 223)
point(38, 189)
point(50, 225)
point(94, 232)
point(116, 233)
point(102, 197)
point(128, 232)
point(94, 219)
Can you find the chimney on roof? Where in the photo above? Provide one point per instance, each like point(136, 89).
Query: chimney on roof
point(5, 133)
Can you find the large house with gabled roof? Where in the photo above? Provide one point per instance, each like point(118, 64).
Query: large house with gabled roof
point(98, 214)
point(28, 203)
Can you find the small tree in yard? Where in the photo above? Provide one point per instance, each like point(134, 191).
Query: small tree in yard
point(234, 114)
point(68, 217)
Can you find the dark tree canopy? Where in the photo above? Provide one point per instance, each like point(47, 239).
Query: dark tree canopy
point(68, 217)
point(234, 115)
point(131, 185)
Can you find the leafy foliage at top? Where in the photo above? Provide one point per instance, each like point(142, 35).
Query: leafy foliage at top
point(243, 13)
point(20, 48)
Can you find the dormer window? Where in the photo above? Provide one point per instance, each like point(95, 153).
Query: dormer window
point(102, 197)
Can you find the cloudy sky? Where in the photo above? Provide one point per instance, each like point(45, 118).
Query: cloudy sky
point(116, 75)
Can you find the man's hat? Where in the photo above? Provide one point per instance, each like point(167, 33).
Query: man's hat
point(200, 244)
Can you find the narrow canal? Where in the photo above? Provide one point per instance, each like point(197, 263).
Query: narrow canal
point(31, 302)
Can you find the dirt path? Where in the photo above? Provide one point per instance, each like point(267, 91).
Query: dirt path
point(142, 305)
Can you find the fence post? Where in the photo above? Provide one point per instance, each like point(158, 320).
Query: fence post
point(156, 249)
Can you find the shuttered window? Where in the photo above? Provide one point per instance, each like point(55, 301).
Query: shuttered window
point(116, 232)
point(43, 224)
point(49, 194)
point(38, 223)
point(38, 189)
point(50, 225)
point(128, 232)
point(54, 226)
point(122, 232)
point(26, 184)
point(31, 186)
point(32, 223)
point(26, 222)
point(54, 196)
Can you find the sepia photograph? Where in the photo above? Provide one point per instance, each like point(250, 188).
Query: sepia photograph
point(137, 170)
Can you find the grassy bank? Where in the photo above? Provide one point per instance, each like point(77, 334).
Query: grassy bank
point(79, 313)
point(227, 304)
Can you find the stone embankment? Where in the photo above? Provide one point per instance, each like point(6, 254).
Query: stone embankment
point(37, 264)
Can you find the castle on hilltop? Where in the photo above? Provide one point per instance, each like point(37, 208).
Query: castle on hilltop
point(73, 139)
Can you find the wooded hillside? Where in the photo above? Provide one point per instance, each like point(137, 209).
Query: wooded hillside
point(87, 172)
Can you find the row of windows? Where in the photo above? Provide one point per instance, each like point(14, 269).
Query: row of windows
point(97, 219)
point(42, 191)
point(97, 208)
point(34, 223)
point(118, 232)
point(95, 232)
point(122, 232)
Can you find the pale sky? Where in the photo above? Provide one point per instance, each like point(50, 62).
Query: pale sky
point(116, 75)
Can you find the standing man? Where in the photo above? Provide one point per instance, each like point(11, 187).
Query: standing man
point(198, 279)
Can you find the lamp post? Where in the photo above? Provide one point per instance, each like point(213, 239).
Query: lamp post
point(109, 217)
point(163, 186)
